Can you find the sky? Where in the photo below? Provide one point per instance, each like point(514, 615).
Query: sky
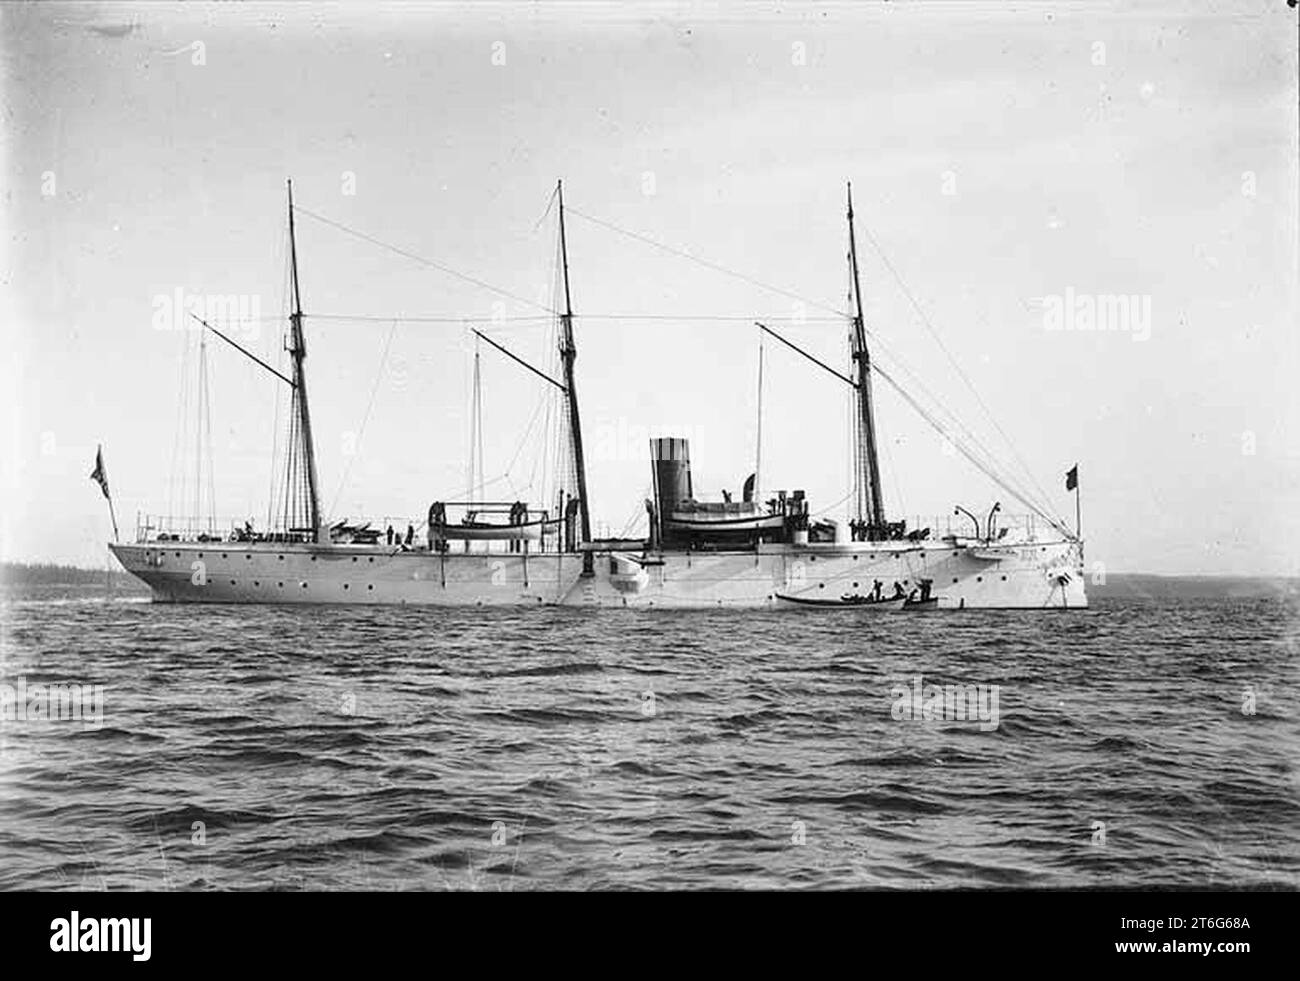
point(1012, 165)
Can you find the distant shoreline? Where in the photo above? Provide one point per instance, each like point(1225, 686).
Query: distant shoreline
point(53, 574)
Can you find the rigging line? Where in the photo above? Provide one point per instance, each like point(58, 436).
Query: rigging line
point(940, 408)
point(178, 436)
point(271, 503)
point(1000, 481)
point(374, 389)
point(421, 259)
point(893, 474)
point(478, 411)
point(787, 293)
point(988, 464)
point(523, 440)
point(1003, 479)
point(536, 318)
point(706, 317)
point(207, 424)
point(520, 361)
point(638, 511)
point(1012, 446)
point(540, 319)
point(948, 354)
point(831, 507)
point(550, 202)
point(704, 262)
point(719, 268)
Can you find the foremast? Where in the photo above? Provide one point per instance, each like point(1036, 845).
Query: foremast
point(302, 457)
point(569, 354)
point(870, 502)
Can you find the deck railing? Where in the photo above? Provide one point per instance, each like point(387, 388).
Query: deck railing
point(1012, 527)
point(151, 528)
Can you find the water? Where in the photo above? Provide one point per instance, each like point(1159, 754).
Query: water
point(353, 748)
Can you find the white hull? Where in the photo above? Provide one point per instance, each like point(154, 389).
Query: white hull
point(1032, 575)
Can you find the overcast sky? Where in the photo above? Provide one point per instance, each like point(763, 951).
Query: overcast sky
point(1000, 155)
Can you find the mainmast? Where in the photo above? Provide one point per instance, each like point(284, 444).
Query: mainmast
point(299, 353)
point(569, 353)
point(870, 502)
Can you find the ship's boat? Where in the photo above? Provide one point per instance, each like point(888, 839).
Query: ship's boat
point(848, 601)
point(483, 531)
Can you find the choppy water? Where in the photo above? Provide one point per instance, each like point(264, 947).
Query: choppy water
point(328, 748)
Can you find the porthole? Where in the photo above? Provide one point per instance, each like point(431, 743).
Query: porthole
point(224, 555)
point(855, 585)
point(232, 582)
point(979, 578)
point(370, 587)
point(1004, 578)
point(372, 558)
point(313, 558)
point(256, 582)
point(354, 558)
point(345, 585)
point(304, 585)
point(821, 585)
point(281, 558)
point(200, 555)
point(812, 558)
point(248, 556)
point(282, 585)
point(178, 554)
point(954, 578)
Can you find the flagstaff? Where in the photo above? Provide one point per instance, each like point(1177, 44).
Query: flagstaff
point(100, 476)
point(1072, 483)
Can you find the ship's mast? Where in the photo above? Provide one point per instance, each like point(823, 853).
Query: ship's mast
point(299, 353)
point(569, 353)
point(868, 462)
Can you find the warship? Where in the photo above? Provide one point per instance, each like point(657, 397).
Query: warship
point(767, 550)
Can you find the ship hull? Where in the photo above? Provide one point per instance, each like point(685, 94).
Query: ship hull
point(1032, 575)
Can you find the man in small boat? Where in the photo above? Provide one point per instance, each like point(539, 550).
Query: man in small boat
point(389, 535)
point(410, 533)
point(876, 587)
point(898, 590)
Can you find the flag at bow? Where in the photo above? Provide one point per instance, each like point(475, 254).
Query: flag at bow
point(99, 475)
point(1072, 478)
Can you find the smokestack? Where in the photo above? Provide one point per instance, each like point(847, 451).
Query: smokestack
point(670, 462)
